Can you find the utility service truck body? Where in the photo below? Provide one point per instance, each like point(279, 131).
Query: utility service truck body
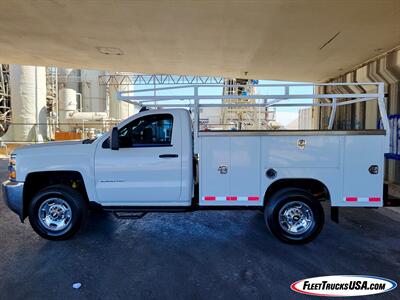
point(157, 160)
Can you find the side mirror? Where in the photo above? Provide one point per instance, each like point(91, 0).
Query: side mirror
point(114, 140)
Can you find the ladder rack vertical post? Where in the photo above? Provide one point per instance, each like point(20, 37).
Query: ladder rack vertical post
point(196, 118)
point(382, 111)
point(287, 91)
point(333, 114)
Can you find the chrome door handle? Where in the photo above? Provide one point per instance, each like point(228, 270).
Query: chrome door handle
point(168, 155)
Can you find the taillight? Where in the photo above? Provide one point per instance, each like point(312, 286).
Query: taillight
point(12, 172)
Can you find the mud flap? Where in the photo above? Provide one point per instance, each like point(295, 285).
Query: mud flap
point(335, 214)
point(387, 200)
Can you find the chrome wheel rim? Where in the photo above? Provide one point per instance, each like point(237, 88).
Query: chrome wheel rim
point(296, 217)
point(55, 214)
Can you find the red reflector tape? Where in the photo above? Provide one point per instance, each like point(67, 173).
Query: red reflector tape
point(231, 198)
point(374, 199)
point(351, 199)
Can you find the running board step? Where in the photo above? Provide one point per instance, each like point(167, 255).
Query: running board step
point(146, 209)
point(129, 214)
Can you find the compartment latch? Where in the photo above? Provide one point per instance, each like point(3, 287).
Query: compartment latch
point(223, 169)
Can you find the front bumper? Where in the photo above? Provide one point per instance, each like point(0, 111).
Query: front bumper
point(13, 196)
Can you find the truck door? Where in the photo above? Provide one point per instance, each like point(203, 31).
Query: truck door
point(146, 170)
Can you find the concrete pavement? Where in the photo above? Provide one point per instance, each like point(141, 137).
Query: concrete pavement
point(200, 255)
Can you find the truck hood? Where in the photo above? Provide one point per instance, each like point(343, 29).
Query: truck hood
point(48, 145)
point(55, 156)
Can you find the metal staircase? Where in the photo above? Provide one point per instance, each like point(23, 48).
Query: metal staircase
point(244, 118)
point(5, 98)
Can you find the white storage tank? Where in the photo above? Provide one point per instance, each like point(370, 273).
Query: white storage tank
point(67, 105)
point(28, 104)
point(93, 94)
point(120, 110)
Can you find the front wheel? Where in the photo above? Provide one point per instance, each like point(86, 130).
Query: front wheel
point(57, 212)
point(294, 216)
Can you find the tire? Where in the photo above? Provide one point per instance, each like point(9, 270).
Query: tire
point(57, 212)
point(294, 216)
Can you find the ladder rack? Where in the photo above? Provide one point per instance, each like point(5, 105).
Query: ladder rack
point(195, 100)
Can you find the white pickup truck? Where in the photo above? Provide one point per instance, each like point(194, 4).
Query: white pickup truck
point(148, 163)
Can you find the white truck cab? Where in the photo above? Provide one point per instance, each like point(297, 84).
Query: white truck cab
point(156, 161)
point(153, 165)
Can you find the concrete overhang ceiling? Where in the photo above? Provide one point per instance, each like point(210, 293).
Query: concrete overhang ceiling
point(302, 40)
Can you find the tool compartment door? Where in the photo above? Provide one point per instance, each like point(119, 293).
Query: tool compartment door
point(245, 171)
point(229, 171)
point(360, 186)
point(214, 160)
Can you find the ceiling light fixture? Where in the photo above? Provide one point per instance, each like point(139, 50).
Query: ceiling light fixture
point(110, 51)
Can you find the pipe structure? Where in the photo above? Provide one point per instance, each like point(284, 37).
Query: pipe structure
point(86, 116)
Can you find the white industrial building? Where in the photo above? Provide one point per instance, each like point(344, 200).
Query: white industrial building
point(41, 104)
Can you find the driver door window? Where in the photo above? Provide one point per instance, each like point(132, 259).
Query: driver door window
point(148, 131)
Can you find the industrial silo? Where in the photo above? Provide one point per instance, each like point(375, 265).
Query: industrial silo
point(120, 110)
point(28, 104)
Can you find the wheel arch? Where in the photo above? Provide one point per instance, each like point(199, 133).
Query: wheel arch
point(314, 186)
point(35, 181)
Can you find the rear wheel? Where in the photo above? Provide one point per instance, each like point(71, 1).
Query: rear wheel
point(57, 212)
point(294, 216)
